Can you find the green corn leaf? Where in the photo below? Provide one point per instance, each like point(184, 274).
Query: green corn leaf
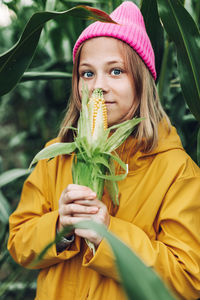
point(84, 128)
point(16, 60)
point(83, 147)
point(11, 175)
point(138, 281)
point(54, 150)
point(79, 150)
point(50, 4)
point(106, 162)
point(29, 76)
point(154, 29)
point(117, 159)
point(120, 135)
point(5, 209)
point(113, 191)
point(115, 177)
point(101, 160)
point(112, 186)
point(182, 29)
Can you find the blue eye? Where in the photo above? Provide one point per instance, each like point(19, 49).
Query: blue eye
point(87, 74)
point(116, 72)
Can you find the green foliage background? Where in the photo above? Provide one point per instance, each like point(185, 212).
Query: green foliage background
point(31, 113)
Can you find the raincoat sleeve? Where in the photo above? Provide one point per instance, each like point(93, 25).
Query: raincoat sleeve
point(33, 224)
point(175, 253)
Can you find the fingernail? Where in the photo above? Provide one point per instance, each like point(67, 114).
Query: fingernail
point(92, 195)
point(94, 209)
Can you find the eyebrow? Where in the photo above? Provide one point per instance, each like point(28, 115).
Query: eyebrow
point(112, 62)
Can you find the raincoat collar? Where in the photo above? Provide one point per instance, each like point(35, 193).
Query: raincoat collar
point(167, 141)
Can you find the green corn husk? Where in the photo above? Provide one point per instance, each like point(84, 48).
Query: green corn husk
point(93, 163)
point(85, 173)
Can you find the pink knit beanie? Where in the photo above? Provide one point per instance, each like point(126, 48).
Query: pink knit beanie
point(131, 30)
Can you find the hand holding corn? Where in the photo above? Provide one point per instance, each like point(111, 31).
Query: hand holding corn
point(78, 203)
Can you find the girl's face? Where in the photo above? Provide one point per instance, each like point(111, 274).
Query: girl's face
point(102, 66)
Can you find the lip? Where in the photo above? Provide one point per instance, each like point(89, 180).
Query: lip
point(109, 102)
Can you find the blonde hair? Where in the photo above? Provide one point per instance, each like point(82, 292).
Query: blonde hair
point(146, 100)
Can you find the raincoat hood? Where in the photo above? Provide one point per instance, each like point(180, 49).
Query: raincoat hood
point(168, 139)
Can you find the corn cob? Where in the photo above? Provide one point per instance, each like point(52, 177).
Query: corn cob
point(95, 105)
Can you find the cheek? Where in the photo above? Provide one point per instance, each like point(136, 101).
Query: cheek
point(127, 106)
point(127, 100)
point(130, 96)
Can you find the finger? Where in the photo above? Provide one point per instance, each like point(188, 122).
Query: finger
point(73, 187)
point(71, 196)
point(91, 215)
point(73, 208)
point(69, 220)
point(88, 234)
point(90, 202)
point(85, 233)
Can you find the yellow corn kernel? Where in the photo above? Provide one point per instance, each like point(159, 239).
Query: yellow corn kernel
point(97, 101)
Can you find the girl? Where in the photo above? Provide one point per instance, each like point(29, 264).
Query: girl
point(158, 214)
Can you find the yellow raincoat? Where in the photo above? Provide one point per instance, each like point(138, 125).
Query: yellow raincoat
point(158, 217)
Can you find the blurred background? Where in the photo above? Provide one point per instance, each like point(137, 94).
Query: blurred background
point(31, 113)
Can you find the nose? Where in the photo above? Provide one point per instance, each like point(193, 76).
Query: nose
point(100, 82)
